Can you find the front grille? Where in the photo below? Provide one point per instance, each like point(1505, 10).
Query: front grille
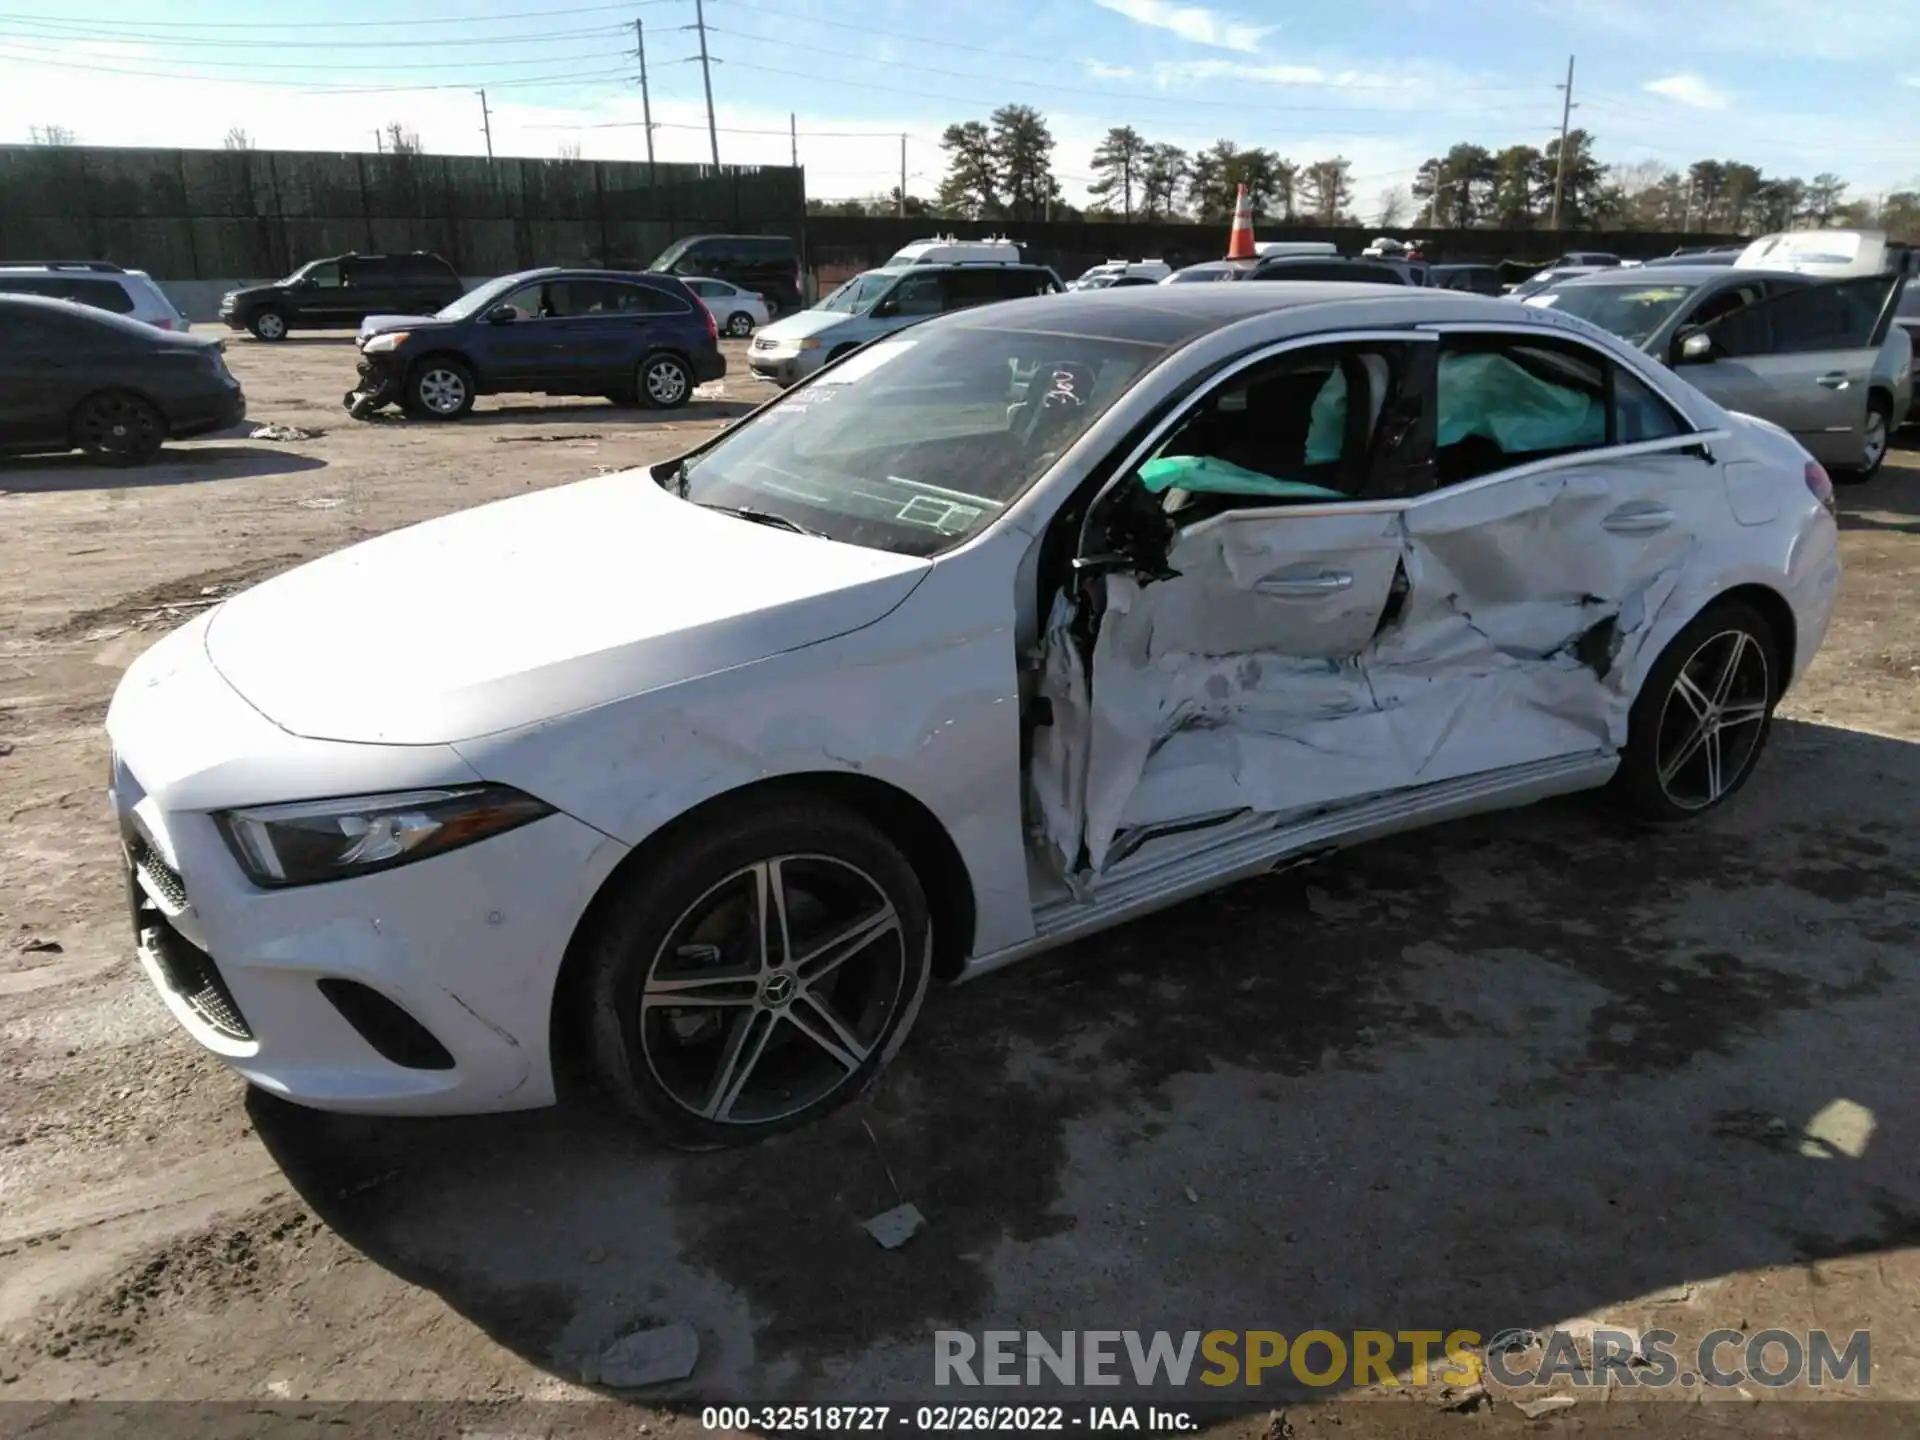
point(766, 344)
point(164, 879)
point(191, 974)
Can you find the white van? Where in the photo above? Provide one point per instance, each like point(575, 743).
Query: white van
point(1139, 271)
point(1264, 248)
point(1834, 254)
point(948, 250)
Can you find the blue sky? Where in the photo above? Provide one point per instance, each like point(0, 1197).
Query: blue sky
point(1788, 85)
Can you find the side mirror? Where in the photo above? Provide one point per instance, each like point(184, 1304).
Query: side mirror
point(886, 309)
point(502, 315)
point(1696, 348)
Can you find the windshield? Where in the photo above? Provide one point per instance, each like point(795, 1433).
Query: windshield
point(858, 294)
point(1633, 312)
point(913, 444)
point(1200, 272)
point(480, 297)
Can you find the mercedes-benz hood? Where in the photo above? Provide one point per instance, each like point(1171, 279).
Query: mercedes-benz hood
point(534, 608)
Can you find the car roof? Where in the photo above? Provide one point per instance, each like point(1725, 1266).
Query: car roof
point(1173, 315)
point(1676, 275)
point(934, 267)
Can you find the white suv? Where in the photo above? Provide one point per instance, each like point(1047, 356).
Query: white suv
point(98, 283)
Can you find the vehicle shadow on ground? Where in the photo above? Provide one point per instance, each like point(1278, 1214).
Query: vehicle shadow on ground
point(1499, 1073)
point(183, 464)
point(1889, 501)
point(598, 414)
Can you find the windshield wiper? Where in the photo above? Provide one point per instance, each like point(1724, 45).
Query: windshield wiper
point(763, 517)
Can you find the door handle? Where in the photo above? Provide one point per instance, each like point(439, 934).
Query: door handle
point(1304, 587)
point(1835, 380)
point(1638, 519)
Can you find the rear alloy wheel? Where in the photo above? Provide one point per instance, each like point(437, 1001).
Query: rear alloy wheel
point(665, 382)
point(739, 325)
point(1702, 716)
point(758, 976)
point(440, 389)
point(268, 325)
point(1876, 434)
point(118, 428)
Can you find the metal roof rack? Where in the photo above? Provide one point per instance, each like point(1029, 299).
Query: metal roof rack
point(103, 267)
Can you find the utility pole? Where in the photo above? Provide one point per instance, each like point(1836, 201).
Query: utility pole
point(486, 124)
point(903, 177)
point(793, 136)
point(1560, 168)
point(646, 102)
point(706, 76)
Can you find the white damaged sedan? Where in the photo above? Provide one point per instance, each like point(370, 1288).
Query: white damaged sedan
point(1012, 626)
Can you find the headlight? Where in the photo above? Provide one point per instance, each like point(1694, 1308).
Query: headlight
point(314, 840)
point(380, 344)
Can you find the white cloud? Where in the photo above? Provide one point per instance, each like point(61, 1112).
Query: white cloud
point(1690, 90)
point(1913, 80)
point(1101, 70)
point(1192, 22)
point(1168, 72)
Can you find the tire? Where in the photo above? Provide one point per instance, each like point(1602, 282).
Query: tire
point(664, 382)
point(1667, 772)
point(1876, 438)
point(118, 428)
point(268, 325)
point(739, 325)
point(439, 388)
point(814, 1030)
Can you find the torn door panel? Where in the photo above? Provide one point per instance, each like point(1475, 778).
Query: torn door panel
point(1057, 773)
point(1284, 668)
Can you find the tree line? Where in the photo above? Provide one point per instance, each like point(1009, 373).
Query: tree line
point(1002, 168)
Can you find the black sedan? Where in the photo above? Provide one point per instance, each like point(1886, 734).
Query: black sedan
point(75, 378)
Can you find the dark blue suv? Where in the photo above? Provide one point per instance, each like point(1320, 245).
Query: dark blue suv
point(634, 337)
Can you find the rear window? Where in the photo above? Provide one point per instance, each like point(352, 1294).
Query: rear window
point(99, 294)
point(1910, 300)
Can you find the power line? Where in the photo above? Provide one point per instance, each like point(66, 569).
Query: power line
point(303, 87)
point(328, 66)
point(110, 22)
point(46, 33)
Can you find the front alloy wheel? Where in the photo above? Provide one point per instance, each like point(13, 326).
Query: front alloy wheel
point(269, 325)
point(761, 977)
point(441, 390)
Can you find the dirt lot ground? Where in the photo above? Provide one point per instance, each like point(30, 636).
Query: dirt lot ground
point(1511, 1072)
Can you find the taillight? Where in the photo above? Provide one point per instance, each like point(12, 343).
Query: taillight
point(163, 324)
point(713, 326)
point(1820, 484)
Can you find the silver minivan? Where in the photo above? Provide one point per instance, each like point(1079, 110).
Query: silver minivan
point(878, 302)
point(1820, 358)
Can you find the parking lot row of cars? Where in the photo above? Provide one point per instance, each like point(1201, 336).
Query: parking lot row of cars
point(1813, 334)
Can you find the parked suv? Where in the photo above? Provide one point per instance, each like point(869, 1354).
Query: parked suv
point(97, 283)
point(73, 377)
point(340, 292)
point(630, 336)
point(880, 301)
point(768, 265)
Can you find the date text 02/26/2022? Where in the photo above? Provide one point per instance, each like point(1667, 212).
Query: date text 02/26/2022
point(945, 1419)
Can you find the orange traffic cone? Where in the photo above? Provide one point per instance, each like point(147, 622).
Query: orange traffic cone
point(1240, 241)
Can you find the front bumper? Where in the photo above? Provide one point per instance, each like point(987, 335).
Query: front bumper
point(379, 385)
point(218, 412)
point(467, 944)
point(784, 368)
